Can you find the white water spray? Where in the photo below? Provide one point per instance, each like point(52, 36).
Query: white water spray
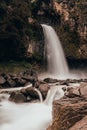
point(28, 116)
point(39, 93)
point(55, 93)
point(57, 64)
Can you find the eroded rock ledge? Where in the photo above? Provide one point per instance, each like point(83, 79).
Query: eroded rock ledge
point(70, 113)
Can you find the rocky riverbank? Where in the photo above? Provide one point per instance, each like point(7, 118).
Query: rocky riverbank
point(69, 112)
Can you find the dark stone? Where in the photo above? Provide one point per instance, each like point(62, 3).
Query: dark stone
point(21, 82)
point(36, 84)
point(17, 97)
point(44, 89)
point(50, 80)
point(83, 90)
point(31, 93)
point(2, 80)
point(64, 83)
point(11, 82)
point(72, 92)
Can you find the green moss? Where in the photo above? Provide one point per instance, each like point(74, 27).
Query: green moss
point(14, 67)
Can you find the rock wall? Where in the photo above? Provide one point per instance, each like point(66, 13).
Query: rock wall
point(69, 113)
point(20, 26)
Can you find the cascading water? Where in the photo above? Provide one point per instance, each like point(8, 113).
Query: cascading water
point(57, 64)
point(28, 116)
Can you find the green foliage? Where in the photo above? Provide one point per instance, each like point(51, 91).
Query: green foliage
point(14, 22)
point(14, 66)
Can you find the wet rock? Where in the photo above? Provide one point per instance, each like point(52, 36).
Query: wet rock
point(31, 93)
point(37, 83)
point(21, 82)
point(44, 89)
point(64, 89)
point(11, 83)
point(72, 92)
point(17, 97)
point(30, 79)
point(80, 91)
point(66, 112)
point(2, 80)
point(64, 83)
point(83, 89)
point(80, 125)
point(50, 80)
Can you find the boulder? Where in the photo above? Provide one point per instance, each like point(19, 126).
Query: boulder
point(72, 92)
point(50, 80)
point(30, 79)
point(11, 82)
point(21, 82)
point(36, 84)
point(44, 89)
point(80, 91)
point(2, 80)
point(80, 125)
point(17, 97)
point(83, 89)
point(66, 112)
point(31, 93)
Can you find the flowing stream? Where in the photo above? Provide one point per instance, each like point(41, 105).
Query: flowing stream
point(28, 116)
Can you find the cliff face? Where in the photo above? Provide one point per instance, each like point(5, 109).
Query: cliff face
point(20, 25)
point(70, 112)
point(73, 26)
point(69, 20)
point(17, 31)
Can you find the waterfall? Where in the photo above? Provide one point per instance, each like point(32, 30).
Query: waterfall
point(54, 93)
point(39, 93)
point(56, 61)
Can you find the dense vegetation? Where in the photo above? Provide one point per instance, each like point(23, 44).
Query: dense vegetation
point(17, 31)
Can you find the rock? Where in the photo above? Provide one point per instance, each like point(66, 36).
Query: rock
point(80, 125)
point(44, 89)
point(50, 80)
point(2, 80)
point(11, 82)
point(83, 89)
point(21, 82)
point(64, 89)
point(66, 112)
point(64, 83)
point(17, 97)
point(80, 91)
point(31, 93)
point(36, 84)
point(30, 79)
point(72, 92)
